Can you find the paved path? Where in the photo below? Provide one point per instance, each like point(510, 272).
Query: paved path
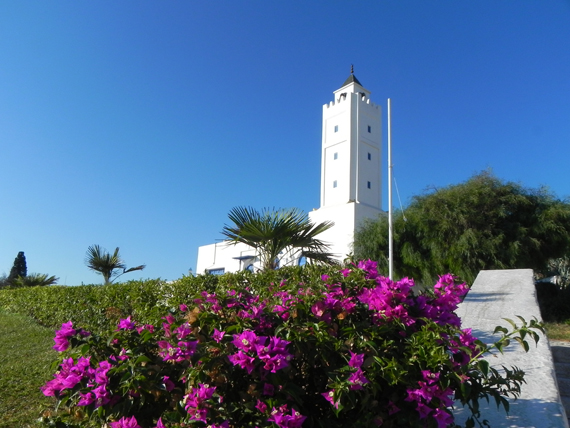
point(496, 295)
point(561, 357)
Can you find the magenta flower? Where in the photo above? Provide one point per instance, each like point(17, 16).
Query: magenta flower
point(126, 324)
point(125, 422)
point(443, 418)
point(329, 396)
point(261, 406)
point(242, 360)
point(183, 307)
point(247, 340)
point(195, 402)
point(168, 384)
point(147, 327)
point(159, 423)
point(356, 360)
point(62, 336)
point(183, 331)
point(357, 380)
point(218, 335)
point(86, 399)
point(430, 377)
point(282, 420)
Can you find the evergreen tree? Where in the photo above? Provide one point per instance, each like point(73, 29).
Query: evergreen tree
point(484, 223)
point(19, 269)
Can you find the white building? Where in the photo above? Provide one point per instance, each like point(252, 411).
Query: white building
point(351, 186)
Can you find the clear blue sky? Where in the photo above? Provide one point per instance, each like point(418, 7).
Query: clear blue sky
point(140, 124)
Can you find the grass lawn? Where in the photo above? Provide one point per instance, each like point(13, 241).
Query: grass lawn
point(25, 359)
point(558, 331)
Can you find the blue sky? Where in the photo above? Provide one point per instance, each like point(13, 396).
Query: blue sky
point(140, 124)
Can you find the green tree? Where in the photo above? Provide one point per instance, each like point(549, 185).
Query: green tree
point(34, 280)
point(107, 264)
point(19, 268)
point(277, 233)
point(484, 223)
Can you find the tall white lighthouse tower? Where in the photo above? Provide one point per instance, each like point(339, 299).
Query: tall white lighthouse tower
point(351, 187)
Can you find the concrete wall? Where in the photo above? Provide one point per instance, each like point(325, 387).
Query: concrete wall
point(498, 294)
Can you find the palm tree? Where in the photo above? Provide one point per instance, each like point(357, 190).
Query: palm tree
point(107, 264)
point(272, 232)
point(34, 280)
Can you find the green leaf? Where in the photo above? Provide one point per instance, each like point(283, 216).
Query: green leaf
point(484, 367)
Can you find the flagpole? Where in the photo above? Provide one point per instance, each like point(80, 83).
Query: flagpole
point(390, 234)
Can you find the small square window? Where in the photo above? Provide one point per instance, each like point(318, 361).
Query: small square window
point(369, 185)
point(335, 157)
point(369, 156)
point(336, 128)
point(334, 183)
point(369, 129)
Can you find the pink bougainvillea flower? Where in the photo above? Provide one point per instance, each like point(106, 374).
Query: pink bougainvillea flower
point(195, 402)
point(147, 327)
point(168, 384)
point(218, 335)
point(224, 424)
point(62, 336)
point(356, 360)
point(159, 424)
point(430, 377)
point(357, 380)
point(423, 410)
point(183, 307)
point(443, 418)
point(261, 406)
point(86, 399)
point(247, 340)
point(183, 331)
point(126, 324)
point(329, 396)
point(242, 360)
point(282, 420)
point(125, 422)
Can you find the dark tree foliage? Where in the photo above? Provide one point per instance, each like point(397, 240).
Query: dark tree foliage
point(484, 223)
point(19, 269)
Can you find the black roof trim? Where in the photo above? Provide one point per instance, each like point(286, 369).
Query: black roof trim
point(351, 79)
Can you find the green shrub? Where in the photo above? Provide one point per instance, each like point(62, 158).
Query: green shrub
point(320, 347)
point(98, 307)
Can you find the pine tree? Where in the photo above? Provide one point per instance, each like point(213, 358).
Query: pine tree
point(19, 269)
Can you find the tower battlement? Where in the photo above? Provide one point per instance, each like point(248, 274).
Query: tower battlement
point(343, 100)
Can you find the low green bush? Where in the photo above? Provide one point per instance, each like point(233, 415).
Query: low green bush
point(98, 307)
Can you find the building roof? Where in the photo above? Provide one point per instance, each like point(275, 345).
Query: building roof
point(351, 79)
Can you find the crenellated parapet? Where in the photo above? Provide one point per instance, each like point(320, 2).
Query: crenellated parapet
point(342, 99)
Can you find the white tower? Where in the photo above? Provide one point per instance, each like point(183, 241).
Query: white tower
point(351, 186)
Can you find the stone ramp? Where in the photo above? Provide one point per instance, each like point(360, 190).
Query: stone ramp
point(561, 357)
point(499, 294)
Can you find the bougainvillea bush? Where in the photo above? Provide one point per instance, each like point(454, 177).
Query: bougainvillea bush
point(351, 349)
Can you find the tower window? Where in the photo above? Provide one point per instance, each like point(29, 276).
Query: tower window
point(369, 185)
point(334, 183)
point(369, 129)
point(336, 128)
point(369, 156)
point(335, 156)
